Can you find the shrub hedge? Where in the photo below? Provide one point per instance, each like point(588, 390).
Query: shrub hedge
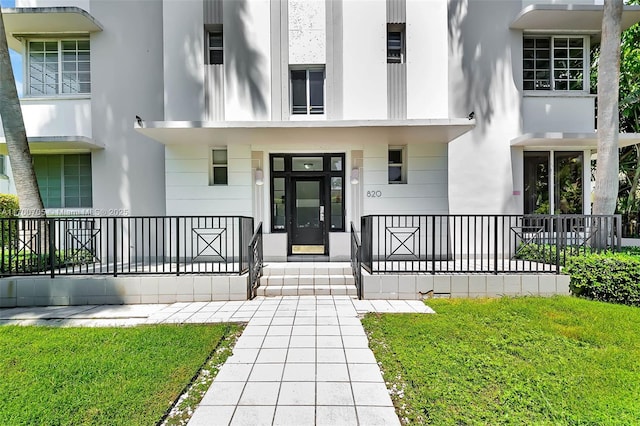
point(608, 277)
point(9, 208)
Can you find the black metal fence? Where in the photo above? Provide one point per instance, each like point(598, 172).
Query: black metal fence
point(482, 243)
point(255, 263)
point(125, 245)
point(356, 261)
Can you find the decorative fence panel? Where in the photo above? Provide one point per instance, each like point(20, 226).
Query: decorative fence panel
point(482, 243)
point(125, 245)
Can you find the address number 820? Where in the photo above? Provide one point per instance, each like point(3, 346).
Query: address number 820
point(374, 194)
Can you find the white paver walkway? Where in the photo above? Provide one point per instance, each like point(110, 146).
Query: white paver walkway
point(301, 360)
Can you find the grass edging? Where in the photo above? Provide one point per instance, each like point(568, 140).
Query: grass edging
point(184, 405)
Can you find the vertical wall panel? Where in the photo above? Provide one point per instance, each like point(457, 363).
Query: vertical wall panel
point(397, 91)
point(212, 12)
point(396, 11)
point(397, 73)
point(334, 74)
point(276, 59)
point(213, 74)
point(214, 92)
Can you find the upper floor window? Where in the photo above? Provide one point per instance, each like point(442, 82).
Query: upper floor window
point(58, 67)
point(216, 52)
point(554, 63)
point(307, 91)
point(395, 43)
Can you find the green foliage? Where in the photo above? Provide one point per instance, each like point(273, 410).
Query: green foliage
point(512, 361)
point(546, 253)
point(629, 121)
point(99, 376)
point(24, 261)
point(609, 277)
point(9, 208)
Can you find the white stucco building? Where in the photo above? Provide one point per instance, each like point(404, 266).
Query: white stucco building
point(308, 114)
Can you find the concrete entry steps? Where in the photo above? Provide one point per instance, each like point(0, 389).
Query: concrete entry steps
point(307, 279)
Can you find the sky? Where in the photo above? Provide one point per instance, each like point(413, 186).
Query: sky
point(16, 59)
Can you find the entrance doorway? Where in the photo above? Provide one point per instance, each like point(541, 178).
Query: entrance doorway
point(308, 231)
point(307, 200)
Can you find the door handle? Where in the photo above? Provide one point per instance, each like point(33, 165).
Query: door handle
point(321, 213)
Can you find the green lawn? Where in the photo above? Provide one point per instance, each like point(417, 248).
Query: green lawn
point(527, 360)
point(111, 376)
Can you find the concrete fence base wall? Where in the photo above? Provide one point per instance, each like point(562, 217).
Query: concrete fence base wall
point(98, 290)
point(416, 287)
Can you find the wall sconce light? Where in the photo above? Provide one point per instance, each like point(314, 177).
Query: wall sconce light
point(259, 177)
point(355, 176)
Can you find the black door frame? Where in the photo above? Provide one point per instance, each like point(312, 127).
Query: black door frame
point(289, 177)
point(292, 213)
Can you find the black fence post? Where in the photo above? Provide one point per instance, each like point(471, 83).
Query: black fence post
point(178, 245)
point(559, 231)
point(242, 242)
point(495, 245)
point(115, 247)
point(52, 246)
point(433, 244)
point(618, 238)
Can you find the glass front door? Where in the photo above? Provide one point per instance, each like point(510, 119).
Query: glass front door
point(307, 200)
point(308, 214)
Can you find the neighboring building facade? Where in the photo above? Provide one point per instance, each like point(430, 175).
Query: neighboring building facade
point(308, 114)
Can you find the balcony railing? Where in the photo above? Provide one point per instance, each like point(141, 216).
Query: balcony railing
point(125, 245)
point(482, 243)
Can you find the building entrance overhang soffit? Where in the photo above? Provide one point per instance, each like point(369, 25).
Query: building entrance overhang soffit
point(582, 18)
point(430, 131)
point(26, 22)
point(569, 141)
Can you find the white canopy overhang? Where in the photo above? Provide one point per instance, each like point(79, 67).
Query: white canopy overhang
point(57, 144)
point(305, 133)
point(569, 18)
point(26, 22)
point(569, 141)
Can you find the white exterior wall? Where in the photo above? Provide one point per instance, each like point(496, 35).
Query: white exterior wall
point(425, 191)
point(307, 32)
point(483, 72)
point(183, 60)
point(568, 113)
point(365, 59)
point(126, 80)
point(187, 179)
point(247, 50)
point(56, 117)
point(427, 56)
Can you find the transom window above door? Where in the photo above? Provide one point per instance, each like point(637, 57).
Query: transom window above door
point(307, 91)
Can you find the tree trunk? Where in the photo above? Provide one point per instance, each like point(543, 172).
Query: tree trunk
point(606, 190)
point(16, 136)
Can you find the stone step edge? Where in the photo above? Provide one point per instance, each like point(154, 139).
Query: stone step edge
point(343, 290)
point(295, 281)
